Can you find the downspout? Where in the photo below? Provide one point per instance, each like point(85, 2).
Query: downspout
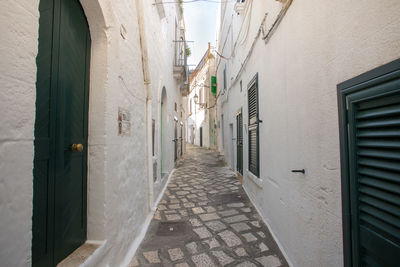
point(146, 80)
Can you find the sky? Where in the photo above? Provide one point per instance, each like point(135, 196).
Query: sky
point(200, 20)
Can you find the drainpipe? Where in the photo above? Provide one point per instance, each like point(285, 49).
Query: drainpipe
point(146, 78)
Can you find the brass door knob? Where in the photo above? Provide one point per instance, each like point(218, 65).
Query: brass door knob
point(77, 147)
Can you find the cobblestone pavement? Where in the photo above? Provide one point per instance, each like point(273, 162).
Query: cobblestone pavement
point(205, 219)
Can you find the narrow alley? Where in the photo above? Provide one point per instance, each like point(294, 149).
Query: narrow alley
point(206, 219)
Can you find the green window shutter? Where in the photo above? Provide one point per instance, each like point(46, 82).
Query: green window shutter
point(369, 112)
point(254, 161)
point(213, 85)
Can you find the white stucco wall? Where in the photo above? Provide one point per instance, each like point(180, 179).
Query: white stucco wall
point(316, 46)
point(118, 187)
point(18, 48)
point(201, 115)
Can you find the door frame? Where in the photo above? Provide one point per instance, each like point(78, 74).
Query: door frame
point(343, 89)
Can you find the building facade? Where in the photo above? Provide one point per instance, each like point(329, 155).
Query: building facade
point(92, 125)
point(282, 68)
point(201, 104)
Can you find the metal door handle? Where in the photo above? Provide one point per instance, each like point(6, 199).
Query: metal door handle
point(77, 147)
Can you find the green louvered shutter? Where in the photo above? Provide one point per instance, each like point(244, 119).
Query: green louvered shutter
point(254, 161)
point(373, 117)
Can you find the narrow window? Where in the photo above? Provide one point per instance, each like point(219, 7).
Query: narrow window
point(225, 78)
point(176, 107)
point(153, 134)
point(254, 161)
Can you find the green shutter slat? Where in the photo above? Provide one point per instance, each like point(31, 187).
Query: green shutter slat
point(385, 217)
point(388, 122)
point(379, 133)
point(368, 215)
point(381, 184)
point(379, 143)
point(383, 205)
point(380, 154)
point(380, 174)
point(379, 112)
point(381, 164)
point(379, 194)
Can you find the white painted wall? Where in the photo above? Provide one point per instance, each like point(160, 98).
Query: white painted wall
point(18, 48)
point(316, 46)
point(118, 187)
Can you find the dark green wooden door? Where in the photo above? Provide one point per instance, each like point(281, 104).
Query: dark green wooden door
point(59, 205)
point(239, 142)
point(371, 176)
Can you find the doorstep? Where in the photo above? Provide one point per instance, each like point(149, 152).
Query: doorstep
point(80, 255)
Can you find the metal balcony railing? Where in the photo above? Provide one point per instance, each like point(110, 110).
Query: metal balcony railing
point(180, 53)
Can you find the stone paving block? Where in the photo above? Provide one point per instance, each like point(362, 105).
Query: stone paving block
point(202, 260)
point(222, 257)
point(212, 243)
point(182, 193)
point(188, 205)
point(161, 207)
point(246, 210)
point(169, 212)
point(198, 210)
point(208, 217)
point(230, 238)
point(261, 234)
point(241, 252)
point(226, 213)
point(174, 207)
point(134, 262)
point(157, 216)
point(236, 205)
point(202, 203)
point(202, 232)
point(173, 217)
point(249, 237)
point(237, 218)
point(195, 222)
point(210, 209)
point(191, 247)
point(240, 227)
point(256, 224)
point(246, 264)
point(152, 256)
point(184, 264)
point(216, 226)
point(269, 261)
point(183, 213)
point(175, 254)
point(263, 247)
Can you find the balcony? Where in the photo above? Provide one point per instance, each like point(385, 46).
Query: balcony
point(180, 61)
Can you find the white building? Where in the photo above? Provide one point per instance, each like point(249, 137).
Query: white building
point(91, 109)
point(283, 68)
point(201, 104)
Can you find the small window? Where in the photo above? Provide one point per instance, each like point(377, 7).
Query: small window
point(176, 107)
point(241, 85)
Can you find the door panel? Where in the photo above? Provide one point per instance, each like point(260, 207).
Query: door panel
point(371, 183)
point(239, 142)
point(61, 120)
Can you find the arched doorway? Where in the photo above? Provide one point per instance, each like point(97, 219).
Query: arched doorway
point(164, 132)
point(61, 132)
